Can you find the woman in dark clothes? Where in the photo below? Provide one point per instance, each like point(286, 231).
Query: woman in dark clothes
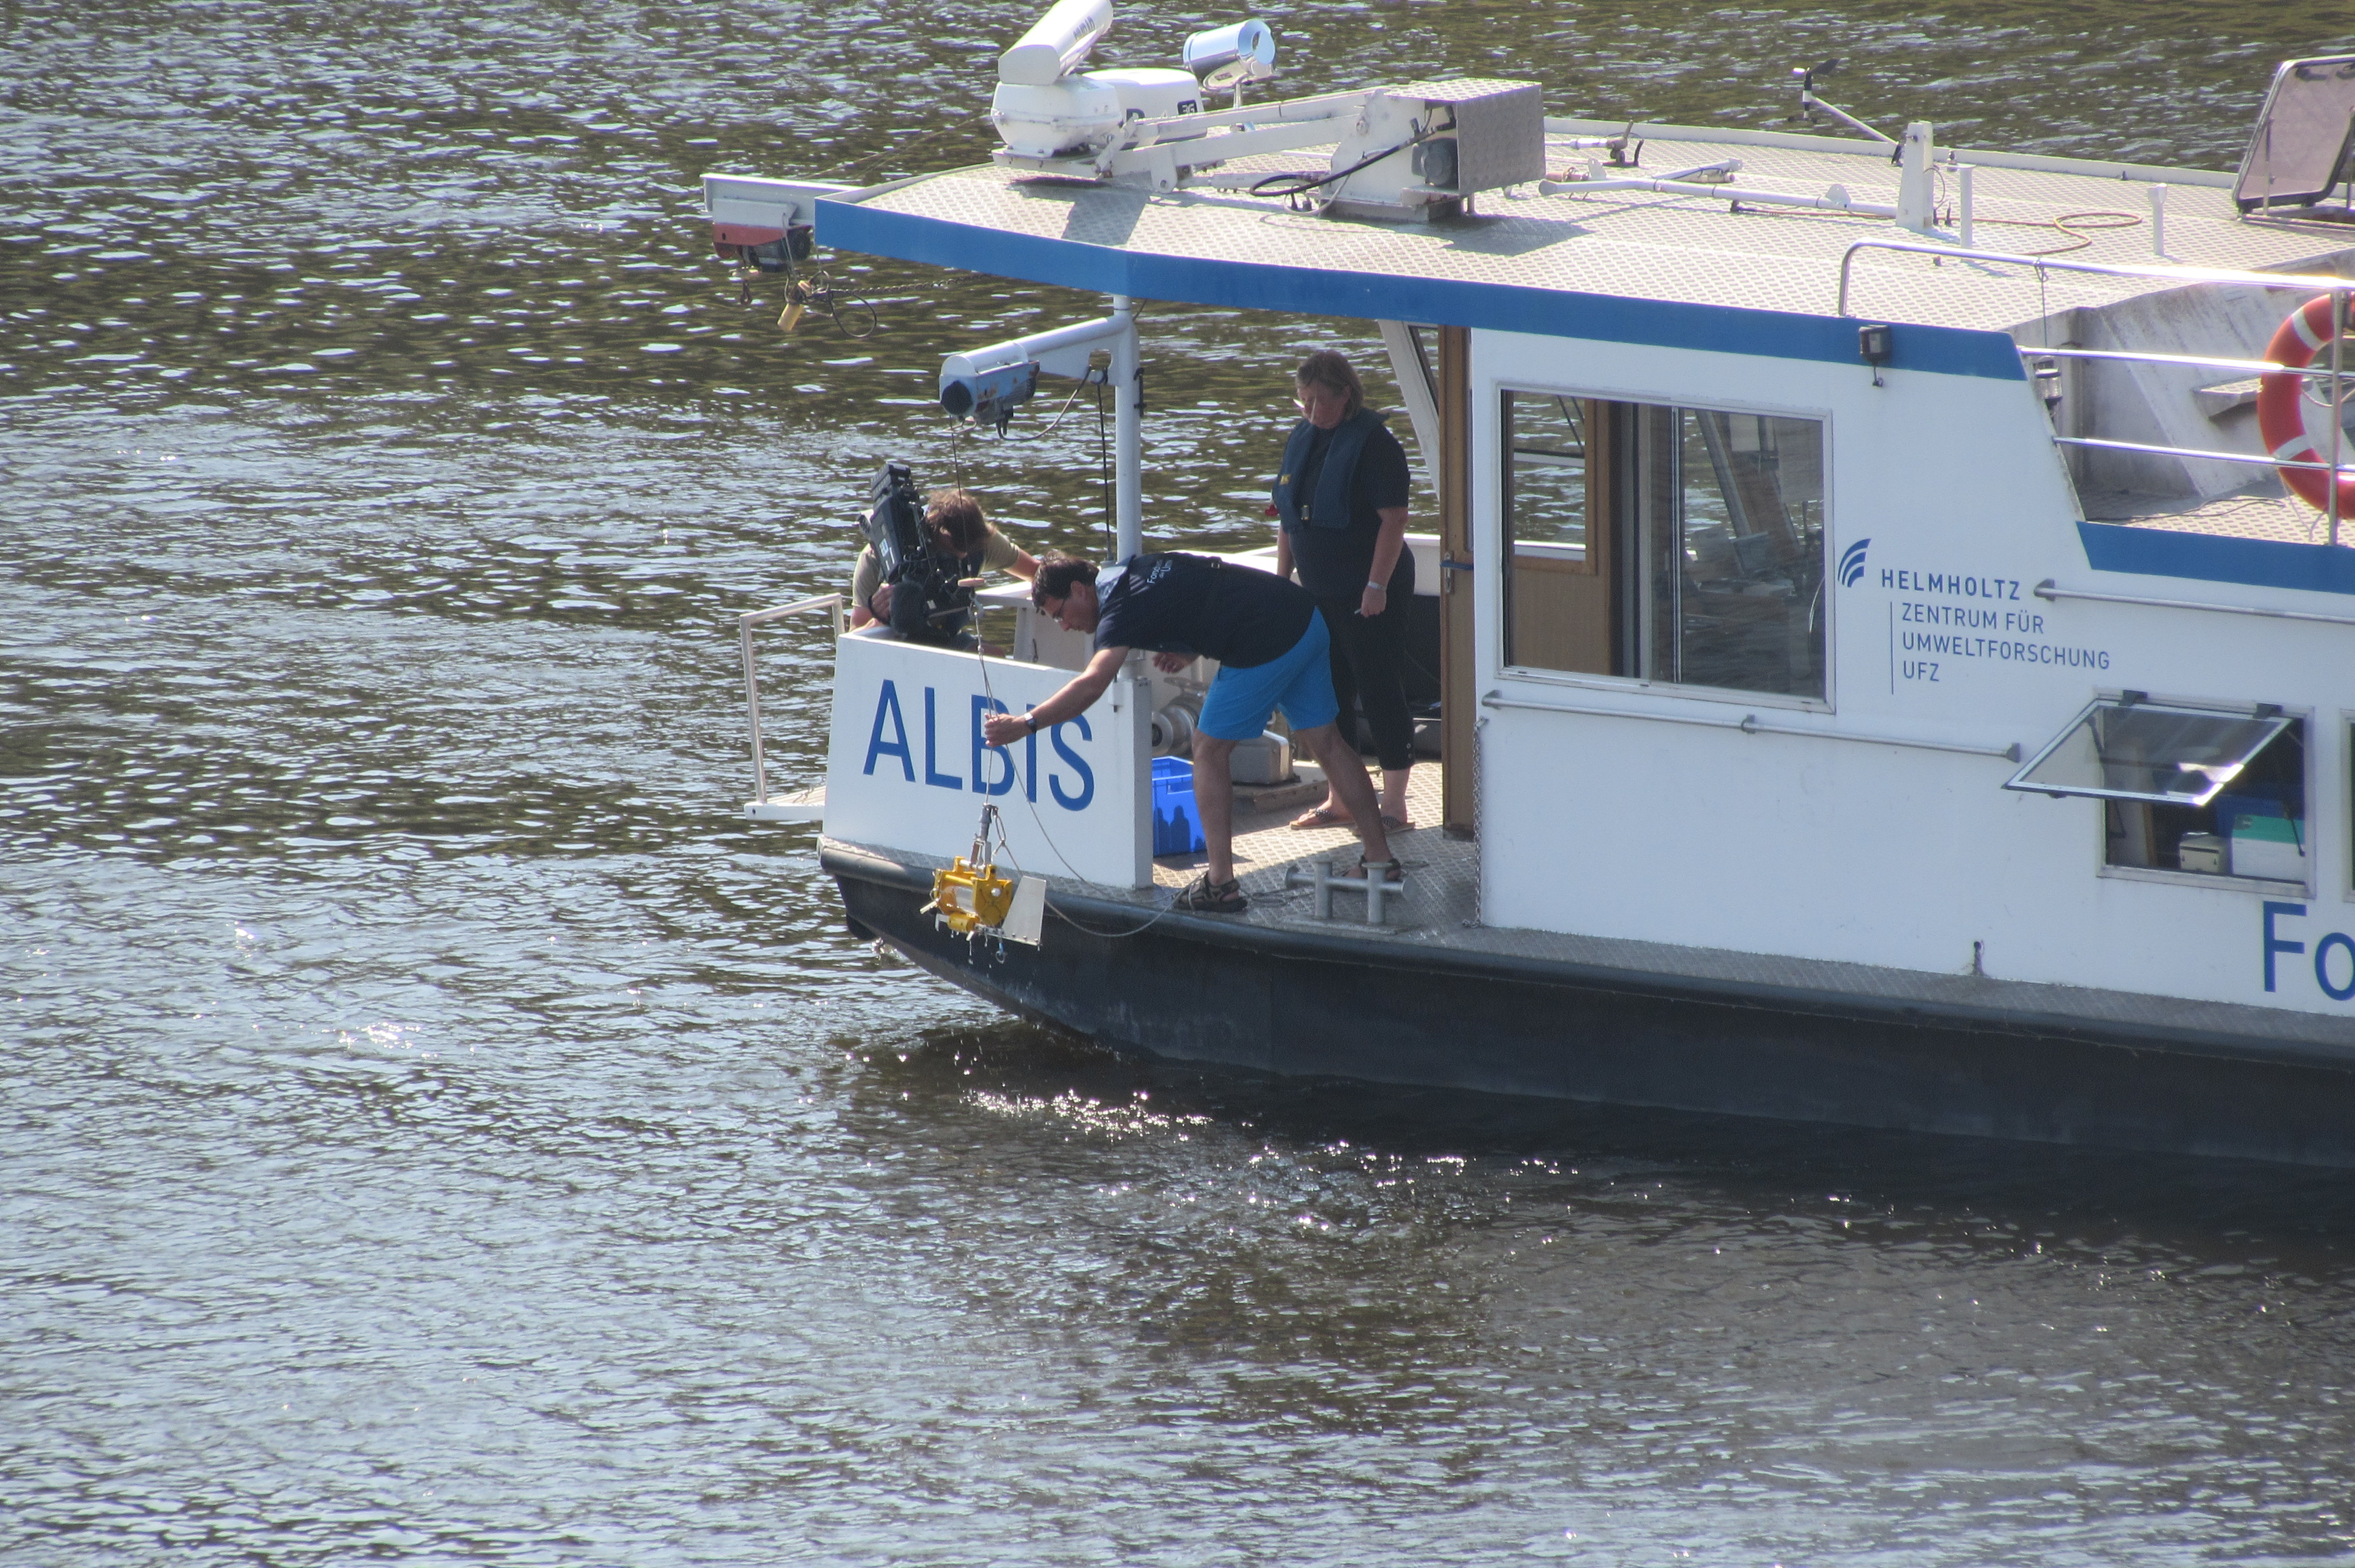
point(1342, 495)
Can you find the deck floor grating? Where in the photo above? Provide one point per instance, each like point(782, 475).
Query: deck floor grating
point(1441, 872)
point(2264, 511)
point(1688, 249)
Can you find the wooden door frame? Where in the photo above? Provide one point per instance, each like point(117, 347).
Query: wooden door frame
point(1458, 702)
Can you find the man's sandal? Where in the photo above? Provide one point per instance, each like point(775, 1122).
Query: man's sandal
point(1391, 872)
point(1203, 896)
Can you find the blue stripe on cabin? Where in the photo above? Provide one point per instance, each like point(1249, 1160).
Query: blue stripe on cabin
point(2214, 558)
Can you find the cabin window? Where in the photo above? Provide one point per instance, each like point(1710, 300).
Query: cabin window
point(1556, 614)
point(2203, 791)
point(1669, 543)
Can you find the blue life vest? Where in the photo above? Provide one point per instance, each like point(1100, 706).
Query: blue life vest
point(1330, 507)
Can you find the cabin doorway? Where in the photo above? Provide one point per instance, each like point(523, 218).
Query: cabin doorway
point(1433, 367)
point(1459, 802)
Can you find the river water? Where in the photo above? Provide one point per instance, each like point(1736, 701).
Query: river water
point(438, 1129)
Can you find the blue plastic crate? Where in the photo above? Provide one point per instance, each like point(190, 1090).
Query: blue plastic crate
point(1177, 821)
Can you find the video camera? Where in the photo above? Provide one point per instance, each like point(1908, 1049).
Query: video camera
point(930, 602)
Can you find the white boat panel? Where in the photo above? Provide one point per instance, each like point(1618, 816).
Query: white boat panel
point(907, 765)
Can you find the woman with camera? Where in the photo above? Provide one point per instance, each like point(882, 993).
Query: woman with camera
point(955, 526)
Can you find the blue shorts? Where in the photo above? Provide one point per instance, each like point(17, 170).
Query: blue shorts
point(1299, 681)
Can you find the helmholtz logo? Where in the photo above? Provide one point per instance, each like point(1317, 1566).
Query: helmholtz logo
point(1852, 563)
point(1943, 622)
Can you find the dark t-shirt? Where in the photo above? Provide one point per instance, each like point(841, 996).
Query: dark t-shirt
point(1193, 604)
point(1337, 563)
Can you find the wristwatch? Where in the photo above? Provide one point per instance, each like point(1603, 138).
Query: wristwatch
point(1030, 724)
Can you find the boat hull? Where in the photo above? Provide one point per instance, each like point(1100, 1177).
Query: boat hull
point(1303, 1003)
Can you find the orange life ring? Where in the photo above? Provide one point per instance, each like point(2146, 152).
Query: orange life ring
point(2280, 406)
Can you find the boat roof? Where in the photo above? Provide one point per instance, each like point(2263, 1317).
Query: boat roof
point(1626, 265)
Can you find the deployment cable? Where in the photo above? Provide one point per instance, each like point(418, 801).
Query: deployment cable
point(1030, 802)
point(1300, 181)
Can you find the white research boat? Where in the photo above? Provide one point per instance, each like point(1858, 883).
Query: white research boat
point(1890, 676)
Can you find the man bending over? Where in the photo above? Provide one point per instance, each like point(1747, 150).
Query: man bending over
point(1274, 651)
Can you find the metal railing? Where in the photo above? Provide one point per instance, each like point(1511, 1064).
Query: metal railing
point(2100, 269)
point(1750, 724)
point(2339, 288)
point(2048, 590)
point(744, 625)
point(2259, 460)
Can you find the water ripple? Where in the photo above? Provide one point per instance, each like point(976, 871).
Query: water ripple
point(442, 1130)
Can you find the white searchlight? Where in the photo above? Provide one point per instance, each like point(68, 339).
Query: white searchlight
point(1228, 57)
point(987, 384)
point(987, 397)
point(1057, 44)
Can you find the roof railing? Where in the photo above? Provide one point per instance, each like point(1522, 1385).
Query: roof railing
point(2258, 460)
point(2100, 269)
point(2258, 366)
point(2333, 373)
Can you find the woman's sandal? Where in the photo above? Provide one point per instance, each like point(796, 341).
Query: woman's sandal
point(1203, 896)
point(1397, 825)
point(1322, 817)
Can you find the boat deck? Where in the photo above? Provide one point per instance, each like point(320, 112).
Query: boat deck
point(2262, 511)
point(1267, 845)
